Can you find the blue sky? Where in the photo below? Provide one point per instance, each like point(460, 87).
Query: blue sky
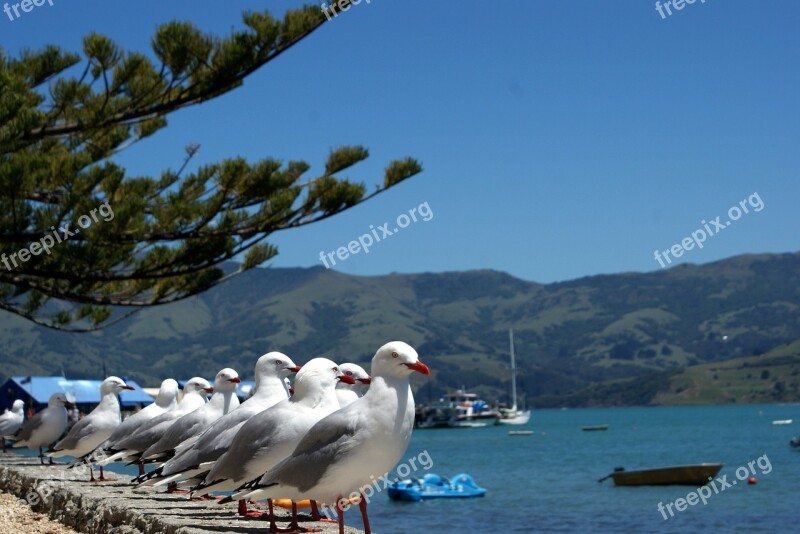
point(559, 139)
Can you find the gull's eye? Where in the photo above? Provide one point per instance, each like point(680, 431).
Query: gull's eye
point(349, 373)
point(278, 362)
point(395, 355)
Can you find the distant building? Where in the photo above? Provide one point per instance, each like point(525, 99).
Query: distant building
point(36, 390)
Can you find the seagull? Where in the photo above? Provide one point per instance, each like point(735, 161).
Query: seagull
point(194, 396)
point(11, 421)
point(347, 393)
point(166, 400)
point(222, 401)
point(96, 427)
point(272, 434)
point(347, 450)
point(46, 426)
point(271, 369)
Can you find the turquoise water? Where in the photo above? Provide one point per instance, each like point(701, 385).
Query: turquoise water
point(547, 482)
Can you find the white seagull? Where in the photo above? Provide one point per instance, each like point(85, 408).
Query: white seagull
point(350, 448)
point(222, 401)
point(46, 426)
point(166, 400)
point(11, 421)
point(347, 393)
point(96, 427)
point(272, 434)
point(194, 396)
point(271, 369)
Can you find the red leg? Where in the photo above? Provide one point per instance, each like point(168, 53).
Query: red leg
point(172, 487)
point(41, 456)
point(244, 512)
point(340, 514)
point(363, 506)
point(103, 478)
point(272, 526)
point(91, 473)
point(293, 525)
point(316, 516)
point(141, 469)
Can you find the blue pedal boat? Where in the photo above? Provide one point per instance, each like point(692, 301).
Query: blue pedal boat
point(433, 486)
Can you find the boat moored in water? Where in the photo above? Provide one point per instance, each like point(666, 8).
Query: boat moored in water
point(684, 475)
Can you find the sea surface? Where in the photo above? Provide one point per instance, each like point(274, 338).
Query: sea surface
point(548, 482)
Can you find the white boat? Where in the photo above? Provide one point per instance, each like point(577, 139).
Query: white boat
point(459, 410)
point(513, 415)
point(782, 422)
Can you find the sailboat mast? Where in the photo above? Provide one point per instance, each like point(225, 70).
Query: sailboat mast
point(513, 371)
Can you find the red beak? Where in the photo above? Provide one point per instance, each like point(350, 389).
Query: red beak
point(291, 391)
point(295, 369)
point(209, 390)
point(235, 380)
point(419, 367)
point(129, 388)
point(365, 380)
point(347, 379)
point(68, 404)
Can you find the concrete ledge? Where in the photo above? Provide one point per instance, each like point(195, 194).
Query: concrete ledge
point(115, 507)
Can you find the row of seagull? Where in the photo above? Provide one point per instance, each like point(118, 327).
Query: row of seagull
point(323, 442)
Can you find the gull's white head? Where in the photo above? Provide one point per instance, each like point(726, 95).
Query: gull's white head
point(226, 380)
point(167, 393)
point(18, 407)
point(113, 385)
point(274, 364)
point(59, 399)
point(319, 374)
point(197, 385)
point(359, 375)
point(397, 359)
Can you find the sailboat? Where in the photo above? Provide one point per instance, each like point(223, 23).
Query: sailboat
point(513, 415)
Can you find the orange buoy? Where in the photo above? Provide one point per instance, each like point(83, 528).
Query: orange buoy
point(751, 480)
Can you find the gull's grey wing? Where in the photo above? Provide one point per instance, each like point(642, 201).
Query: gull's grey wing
point(29, 427)
point(145, 437)
point(82, 428)
point(330, 438)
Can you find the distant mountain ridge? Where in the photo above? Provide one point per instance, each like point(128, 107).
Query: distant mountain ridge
point(570, 335)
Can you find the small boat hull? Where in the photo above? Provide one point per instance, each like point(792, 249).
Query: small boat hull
point(594, 428)
point(685, 475)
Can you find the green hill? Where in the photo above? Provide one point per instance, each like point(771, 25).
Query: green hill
point(588, 333)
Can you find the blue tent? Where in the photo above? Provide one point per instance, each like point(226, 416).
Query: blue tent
point(37, 390)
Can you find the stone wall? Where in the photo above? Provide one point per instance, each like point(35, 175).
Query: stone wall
point(117, 508)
